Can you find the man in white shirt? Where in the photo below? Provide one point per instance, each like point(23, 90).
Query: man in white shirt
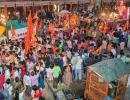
point(78, 69)
point(7, 73)
point(74, 62)
point(29, 65)
point(16, 73)
point(27, 79)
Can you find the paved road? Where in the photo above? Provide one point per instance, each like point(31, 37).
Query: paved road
point(48, 93)
point(128, 93)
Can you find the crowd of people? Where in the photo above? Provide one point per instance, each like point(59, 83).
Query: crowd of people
point(63, 58)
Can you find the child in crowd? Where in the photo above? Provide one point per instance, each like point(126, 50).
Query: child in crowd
point(49, 73)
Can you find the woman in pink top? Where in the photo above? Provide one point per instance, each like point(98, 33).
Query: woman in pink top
point(34, 77)
point(68, 75)
point(3, 57)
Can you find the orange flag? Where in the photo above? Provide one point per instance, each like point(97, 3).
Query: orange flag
point(28, 34)
point(35, 16)
point(127, 24)
point(36, 23)
point(51, 29)
point(12, 29)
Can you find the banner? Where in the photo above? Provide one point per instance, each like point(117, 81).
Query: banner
point(20, 33)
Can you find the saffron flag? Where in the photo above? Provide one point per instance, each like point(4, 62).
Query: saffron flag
point(36, 23)
point(35, 16)
point(127, 24)
point(12, 29)
point(51, 29)
point(28, 34)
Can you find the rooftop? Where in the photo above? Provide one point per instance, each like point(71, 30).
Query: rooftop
point(111, 69)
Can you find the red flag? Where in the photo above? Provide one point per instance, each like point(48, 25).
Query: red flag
point(40, 26)
point(24, 9)
point(12, 29)
point(28, 34)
